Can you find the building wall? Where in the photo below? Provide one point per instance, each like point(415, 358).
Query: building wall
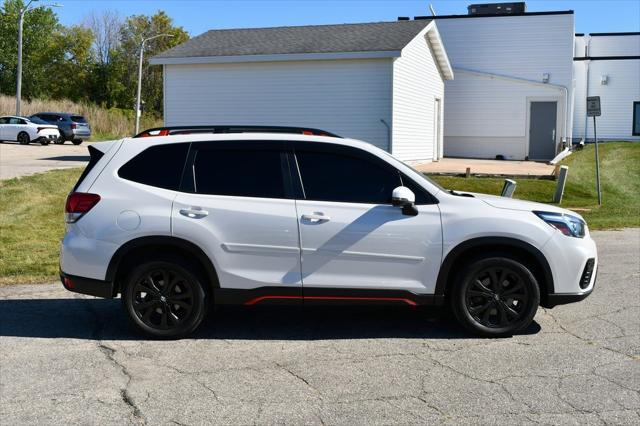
point(347, 97)
point(617, 95)
point(487, 116)
point(417, 84)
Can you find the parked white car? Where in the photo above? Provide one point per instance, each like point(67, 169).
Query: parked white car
point(175, 223)
point(25, 130)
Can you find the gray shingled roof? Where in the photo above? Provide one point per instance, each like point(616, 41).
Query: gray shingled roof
point(379, 36)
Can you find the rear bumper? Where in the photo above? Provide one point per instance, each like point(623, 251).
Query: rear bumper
point(88, 286)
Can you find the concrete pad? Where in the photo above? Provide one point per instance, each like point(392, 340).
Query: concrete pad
point(23, 160)
point(486, 167)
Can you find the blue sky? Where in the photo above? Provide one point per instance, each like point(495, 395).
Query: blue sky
point(198, 16)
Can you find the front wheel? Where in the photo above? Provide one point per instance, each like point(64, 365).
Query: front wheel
point(77, 141)
point(495, 296)
point(163, 299)
point(23, 138)
point(44, 141)
point(59, 141)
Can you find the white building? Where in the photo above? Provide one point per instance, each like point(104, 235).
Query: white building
point(608, 65)
point(513, 91)
point(380, 82)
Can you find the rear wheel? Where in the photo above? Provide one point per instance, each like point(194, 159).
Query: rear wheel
point(60, 140)
point(164, 299)
point(77, 141)
point(23, 138)
point(495, 296)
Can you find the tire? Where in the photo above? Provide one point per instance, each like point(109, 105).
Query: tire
point(495, 296)
point(77, 141)
point(59, 141)
point(44, 141)
point(165, 312)
point(23, 138)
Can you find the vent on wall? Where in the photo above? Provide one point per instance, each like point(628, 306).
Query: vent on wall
point(497, 8)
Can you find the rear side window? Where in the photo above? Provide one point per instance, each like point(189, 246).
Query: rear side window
point(160, 166)
point(96, 155)
point(78, 119)
point(238, 172)
point(338, 177)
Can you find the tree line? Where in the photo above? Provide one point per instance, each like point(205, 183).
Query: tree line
point(95, 61)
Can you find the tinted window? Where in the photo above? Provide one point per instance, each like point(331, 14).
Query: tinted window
point(243, 173)
point(37, 120)
point(78, 119)
point(159, 166)
point(339, 177)
point(4, 120)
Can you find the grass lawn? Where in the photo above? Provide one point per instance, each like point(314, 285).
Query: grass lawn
point(31, 208)
point(620, 182)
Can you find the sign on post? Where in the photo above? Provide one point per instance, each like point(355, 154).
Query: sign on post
point(593, 110)
point(593, 106)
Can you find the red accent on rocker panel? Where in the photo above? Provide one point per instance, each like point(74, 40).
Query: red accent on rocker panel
point(261, 298)
point(370, 299)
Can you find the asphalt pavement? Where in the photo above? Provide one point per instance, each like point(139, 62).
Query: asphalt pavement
point(70, 359)
point(22, 160)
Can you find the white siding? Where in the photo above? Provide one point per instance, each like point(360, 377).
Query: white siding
point(347, 97)
point(416, 85)
point(620, 45)
point(485, 117)
point(616, 97)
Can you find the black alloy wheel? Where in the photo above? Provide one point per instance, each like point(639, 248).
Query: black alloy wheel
point(164, 300)
point(23, 138)
point(497, 297)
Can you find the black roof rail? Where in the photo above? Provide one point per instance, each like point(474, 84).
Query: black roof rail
point(185, 130)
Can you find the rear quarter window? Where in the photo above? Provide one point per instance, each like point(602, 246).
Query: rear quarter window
point(160, 166)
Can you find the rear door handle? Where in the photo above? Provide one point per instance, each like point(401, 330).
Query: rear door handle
point(194, 212)
point(316, 217)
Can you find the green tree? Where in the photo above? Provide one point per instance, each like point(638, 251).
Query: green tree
point(71, 65)
point(38, 29)
point(136, 28)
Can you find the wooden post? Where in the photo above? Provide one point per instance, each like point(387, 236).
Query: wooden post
point(562, 179)
point(468, 172)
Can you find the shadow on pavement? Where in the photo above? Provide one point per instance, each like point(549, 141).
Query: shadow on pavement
point(68, 158)
point(105, 320)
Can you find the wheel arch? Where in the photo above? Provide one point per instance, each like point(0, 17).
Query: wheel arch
point(152, 247)
point(518, 248)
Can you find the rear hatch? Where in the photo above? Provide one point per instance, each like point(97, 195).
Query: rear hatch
point(82, 126)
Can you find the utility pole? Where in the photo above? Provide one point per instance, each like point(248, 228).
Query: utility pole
point(21, 14)
point(138, 112)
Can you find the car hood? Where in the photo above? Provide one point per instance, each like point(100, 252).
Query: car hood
point(515, 204)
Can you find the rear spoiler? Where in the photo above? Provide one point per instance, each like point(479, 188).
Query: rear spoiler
point(186, 130)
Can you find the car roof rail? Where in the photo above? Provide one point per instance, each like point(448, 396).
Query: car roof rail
point(186, 130)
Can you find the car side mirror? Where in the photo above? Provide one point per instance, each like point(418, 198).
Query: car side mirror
point(405, 198)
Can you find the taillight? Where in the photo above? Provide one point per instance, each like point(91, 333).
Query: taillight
point(79, 203)
point(74, 125)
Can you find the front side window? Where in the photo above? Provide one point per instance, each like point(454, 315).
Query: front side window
point(160, 166)
point(636, 119)
point(328, 176)
point(239, 172)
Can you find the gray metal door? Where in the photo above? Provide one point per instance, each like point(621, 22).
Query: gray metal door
point(542, 130)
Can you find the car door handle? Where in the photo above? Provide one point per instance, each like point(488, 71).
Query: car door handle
point(315, 217)
point(194, 212)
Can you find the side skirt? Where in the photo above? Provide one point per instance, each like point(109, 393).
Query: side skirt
point(323, 296)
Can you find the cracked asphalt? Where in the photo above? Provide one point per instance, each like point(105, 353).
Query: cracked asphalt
point(66, 358)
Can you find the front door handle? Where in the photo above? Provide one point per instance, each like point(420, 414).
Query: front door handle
point(194, 212)
point(316, 217)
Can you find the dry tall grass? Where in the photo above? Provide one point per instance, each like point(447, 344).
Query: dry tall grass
point(105, 123)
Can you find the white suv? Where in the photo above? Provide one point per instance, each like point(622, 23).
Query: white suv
point(177, 223)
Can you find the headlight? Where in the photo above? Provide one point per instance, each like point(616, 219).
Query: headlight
point(569, 225)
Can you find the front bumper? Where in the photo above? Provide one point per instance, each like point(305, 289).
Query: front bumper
point(98, 288)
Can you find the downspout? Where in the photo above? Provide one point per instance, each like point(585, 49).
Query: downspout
point(563, 89)
point(586, 84)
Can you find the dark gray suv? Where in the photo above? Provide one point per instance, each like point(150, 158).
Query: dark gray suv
point(73, 127)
